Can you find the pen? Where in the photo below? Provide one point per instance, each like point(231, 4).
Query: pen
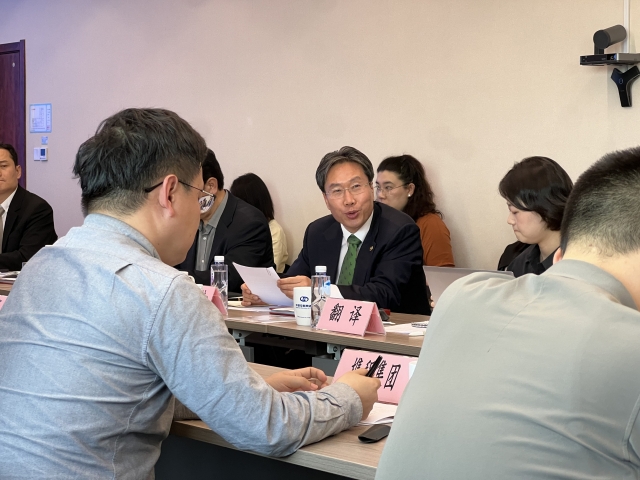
point(374, 367)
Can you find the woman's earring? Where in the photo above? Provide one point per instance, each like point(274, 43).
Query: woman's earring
point(409, 195)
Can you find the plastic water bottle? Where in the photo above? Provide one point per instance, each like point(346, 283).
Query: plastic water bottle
point(220, 278)
point(320, 291)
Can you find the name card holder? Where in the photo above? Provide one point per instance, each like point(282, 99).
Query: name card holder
point(351, 316)
point(393, 371)
point(213, 294)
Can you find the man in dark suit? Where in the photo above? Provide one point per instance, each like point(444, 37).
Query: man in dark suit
point(26, 219)
point(231, 228)
point(372, 252)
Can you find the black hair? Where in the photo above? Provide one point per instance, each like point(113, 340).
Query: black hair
point(603, 210)
point(250, 188)
point(410, 170)
point(131, 151)
point(345, 154)
point(12, 152)
point(211, 169)
point(538, 184)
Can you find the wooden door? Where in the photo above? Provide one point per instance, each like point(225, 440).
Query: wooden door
point(13, 101)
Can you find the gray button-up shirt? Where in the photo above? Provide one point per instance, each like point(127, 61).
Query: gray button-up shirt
point(96, 336)
point(533, 377)
point(206, 234)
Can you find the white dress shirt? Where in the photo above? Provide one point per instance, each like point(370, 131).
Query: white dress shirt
point(5, 205)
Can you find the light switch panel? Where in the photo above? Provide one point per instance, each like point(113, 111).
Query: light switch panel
point(41, 154)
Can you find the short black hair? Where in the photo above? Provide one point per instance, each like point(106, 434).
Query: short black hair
point(250, 188)
point(538, 184)
point(12, 152)
point(410, 170)
point(603, 210)
point(211, 169)
point(345, 154)
point(131, 151)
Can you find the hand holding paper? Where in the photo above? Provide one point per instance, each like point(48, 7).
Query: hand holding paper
point(263, 282)
point(286, 285)
point(249, 299)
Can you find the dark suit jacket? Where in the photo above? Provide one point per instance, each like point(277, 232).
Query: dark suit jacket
point(242, 236)
point(389, 264)
point(28, 228)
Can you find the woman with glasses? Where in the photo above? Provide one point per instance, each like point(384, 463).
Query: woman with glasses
point(402, 184)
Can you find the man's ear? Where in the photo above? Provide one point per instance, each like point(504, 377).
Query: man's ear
point(211, 186)
point(557, 256)
point(19, 169)
point(167, 194)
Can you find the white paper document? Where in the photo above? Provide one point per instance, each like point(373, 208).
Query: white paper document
point(262, 282)
point(380, 413)
point(265, 309)
point(270, 319)
point(407, 329)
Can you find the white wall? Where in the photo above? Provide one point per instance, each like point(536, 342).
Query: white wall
point(467, 86)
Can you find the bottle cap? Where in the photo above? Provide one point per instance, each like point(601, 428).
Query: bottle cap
point(321, 269)
point(218, 259)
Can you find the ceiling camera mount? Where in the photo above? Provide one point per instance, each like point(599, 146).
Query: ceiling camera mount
point(603, 39)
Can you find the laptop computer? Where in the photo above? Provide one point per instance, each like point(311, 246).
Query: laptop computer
point(439, 278)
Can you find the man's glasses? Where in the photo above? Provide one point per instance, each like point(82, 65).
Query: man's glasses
point(338, 192)
point(205, 201)
point(387, 190)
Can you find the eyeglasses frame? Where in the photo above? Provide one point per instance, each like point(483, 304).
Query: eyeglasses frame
point(387, 190)
point(344, 190)
point(213, 197)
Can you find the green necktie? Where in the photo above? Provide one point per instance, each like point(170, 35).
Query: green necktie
point(349, 262)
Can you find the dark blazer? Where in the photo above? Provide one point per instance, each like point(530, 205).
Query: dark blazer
point(242, 236)
point(510, 253)
point(28, 228)
point(389, 264)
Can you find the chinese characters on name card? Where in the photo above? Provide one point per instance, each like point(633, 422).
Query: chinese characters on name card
point(393, 371)
point(350, 316)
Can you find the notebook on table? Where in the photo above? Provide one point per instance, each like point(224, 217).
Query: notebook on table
point(439, 278)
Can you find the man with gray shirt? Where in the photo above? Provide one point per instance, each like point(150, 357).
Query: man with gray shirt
point(231, 228)
point(99, 331)
point(537, 377)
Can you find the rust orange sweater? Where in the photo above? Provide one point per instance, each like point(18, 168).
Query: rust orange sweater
point(436, 241)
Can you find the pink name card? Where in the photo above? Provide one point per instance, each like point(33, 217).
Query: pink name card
point(350, 316)
point(213, 294)
point(3, 298)
point(393, 371)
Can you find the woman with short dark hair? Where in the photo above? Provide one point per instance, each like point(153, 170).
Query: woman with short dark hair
point(250, 188)
point(536, 190)
point(402, 184)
